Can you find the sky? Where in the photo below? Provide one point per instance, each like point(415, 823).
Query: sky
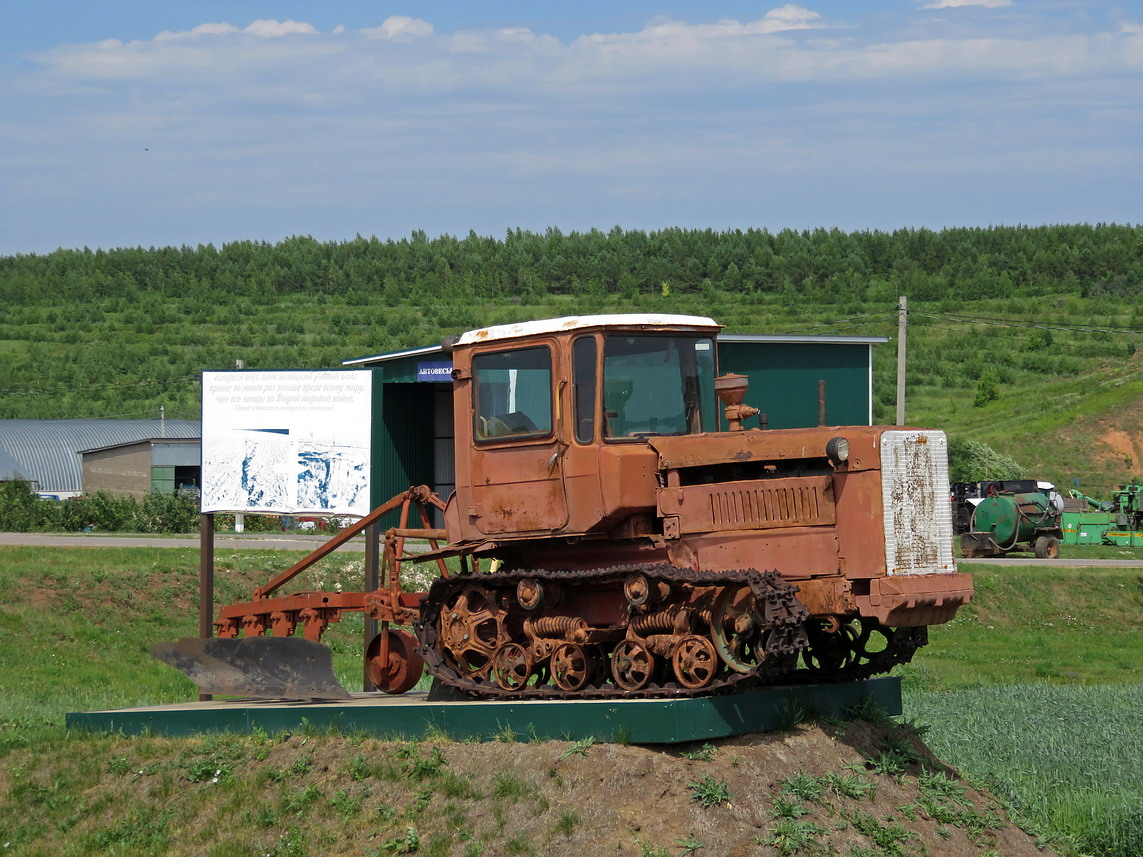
point(166, 123)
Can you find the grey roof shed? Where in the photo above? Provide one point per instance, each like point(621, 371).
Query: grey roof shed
point(46, 452)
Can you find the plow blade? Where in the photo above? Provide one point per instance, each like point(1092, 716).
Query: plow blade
point(259, 667)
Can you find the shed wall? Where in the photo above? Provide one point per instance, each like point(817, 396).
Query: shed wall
point(784, 381)
point(124, 470)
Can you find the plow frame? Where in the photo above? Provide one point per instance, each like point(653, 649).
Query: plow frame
point(384, 602)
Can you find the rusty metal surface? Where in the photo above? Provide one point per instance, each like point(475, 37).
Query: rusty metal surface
point(705, 450)
point(257, 667)
point(915, 600)
point(465, 622)
point(714, 632)
point(757, 504)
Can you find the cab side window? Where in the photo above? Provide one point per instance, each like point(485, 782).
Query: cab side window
point(583, 375)
point(512, 393)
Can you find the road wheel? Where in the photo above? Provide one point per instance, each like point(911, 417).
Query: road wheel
point(1047, 547)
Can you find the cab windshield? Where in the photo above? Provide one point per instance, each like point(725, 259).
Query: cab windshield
point(655, 384)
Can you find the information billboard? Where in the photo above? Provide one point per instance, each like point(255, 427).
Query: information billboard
point(293, 442)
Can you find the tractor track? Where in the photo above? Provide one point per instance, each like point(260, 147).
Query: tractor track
point(786, 638)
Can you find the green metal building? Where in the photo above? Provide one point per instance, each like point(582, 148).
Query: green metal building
point(412, 398)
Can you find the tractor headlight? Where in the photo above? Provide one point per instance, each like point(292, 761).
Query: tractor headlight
point(837, 451)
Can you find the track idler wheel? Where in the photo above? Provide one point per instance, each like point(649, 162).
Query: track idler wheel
point(632, 665)
point(512, 666)
point(571, 666)
point(400, 670)
point(472, 629)
point(695, 662)
point(832, 647)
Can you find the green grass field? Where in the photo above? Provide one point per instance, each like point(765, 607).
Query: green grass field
point(1063, 758)
point(77, 625)
point(1050, 624)
point(1034, 691)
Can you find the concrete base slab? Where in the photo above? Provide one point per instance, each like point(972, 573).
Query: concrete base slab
point(412, 715)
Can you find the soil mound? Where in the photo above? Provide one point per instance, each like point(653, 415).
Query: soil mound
point(861, 789)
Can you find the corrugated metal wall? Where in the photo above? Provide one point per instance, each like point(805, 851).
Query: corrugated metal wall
point(48, 450)
point(784, 380)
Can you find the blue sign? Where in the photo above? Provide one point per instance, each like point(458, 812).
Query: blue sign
point(435, 370)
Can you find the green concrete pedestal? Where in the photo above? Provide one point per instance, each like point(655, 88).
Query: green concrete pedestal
point(412, 715)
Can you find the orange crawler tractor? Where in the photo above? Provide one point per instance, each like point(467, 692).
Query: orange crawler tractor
point(621, 534)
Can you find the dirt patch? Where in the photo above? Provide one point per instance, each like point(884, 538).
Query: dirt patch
point(1123, 447)
point(634, 800)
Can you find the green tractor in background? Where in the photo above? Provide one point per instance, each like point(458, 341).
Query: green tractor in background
point(1118, 521)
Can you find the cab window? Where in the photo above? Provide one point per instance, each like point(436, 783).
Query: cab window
point(512, 394)
point(657, 385)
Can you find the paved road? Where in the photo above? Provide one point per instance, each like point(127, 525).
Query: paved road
point(252, 541)
point(267, 541)
point(1070, 562)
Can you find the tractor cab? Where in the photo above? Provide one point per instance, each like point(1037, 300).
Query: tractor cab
point(552, 419)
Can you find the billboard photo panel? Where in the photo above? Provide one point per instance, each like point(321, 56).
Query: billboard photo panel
point(295, 442)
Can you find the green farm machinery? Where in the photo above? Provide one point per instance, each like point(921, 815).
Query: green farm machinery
point(1118, 521)
point(1003, 522)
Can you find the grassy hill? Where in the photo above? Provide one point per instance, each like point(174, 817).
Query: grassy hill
point(1021, 338)
point(1032, 692)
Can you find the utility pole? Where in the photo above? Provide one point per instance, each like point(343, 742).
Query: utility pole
point(902, 327)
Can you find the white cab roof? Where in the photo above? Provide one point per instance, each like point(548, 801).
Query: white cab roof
point(576, 322)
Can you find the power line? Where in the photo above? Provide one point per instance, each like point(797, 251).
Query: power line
point(843, 324)
point(999, 322)
point(153, 412)
point(853, 321)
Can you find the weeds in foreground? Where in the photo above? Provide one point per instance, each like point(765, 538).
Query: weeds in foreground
point(567, 823)
point(789, 837)
point(689, 845)
point(646, 849)
point(705, 753)
point(578, 748)
point(709, 792)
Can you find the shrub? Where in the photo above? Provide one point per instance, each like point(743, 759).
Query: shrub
point(22, 511)
point(972, 461)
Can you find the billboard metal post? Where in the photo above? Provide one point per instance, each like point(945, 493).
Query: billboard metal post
point(206, 580)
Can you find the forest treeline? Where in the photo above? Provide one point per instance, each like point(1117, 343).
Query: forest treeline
point(826, 265)
point(1016, 334)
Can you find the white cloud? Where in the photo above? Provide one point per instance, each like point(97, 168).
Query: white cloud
point(725, 54)
point(790, 17)
point(376, 121)
point(270, 29)
point(782, 19)
point(400, 27)
point(200, 30)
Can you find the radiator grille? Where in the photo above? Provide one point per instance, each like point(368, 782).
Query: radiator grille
point(915, 494)
point(746, 508)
